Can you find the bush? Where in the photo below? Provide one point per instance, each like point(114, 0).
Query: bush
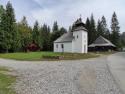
point(52, 57)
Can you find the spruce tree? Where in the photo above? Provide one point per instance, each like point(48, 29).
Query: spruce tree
point(62, 30)
point(24, 33)
point(48, 39)
point(11, 28)
point(8, 27)
point(55, 27)
point(93, 33)
point(115, 30)
point(24, 21)
point(45, 37)
point(2, 32)
point(5, 35)
point(87, 25)
point(106, 32)
point(103, 22)
point(55, 32)
point(123, 39)
point(1, 11)
point(100, 30)
point(36, 34)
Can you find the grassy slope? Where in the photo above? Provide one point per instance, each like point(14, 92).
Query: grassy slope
point(39, 55)
point(27, 56)
point(6, 82)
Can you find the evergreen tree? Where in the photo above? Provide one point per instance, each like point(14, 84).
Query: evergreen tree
point(24, 21)
point(87, 25)
point(36, 34)
point(115, 30)
point(45, 37)
point(55, 27)
point(11, 27)
point(2, 32)
point(100, 31)
point(24, 33)
point(123, 39)
point(4, 36)
point(48, 39)
point(103, 22)
point(8, 27)
point(55, 32)
point(105, 32)
point(62, 30)
point(1, 11)
point(92, 31)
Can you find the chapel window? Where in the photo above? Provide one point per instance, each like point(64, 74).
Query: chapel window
point(56, 45)
point(77, 36)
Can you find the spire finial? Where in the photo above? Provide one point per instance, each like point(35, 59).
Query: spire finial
point(80, 16)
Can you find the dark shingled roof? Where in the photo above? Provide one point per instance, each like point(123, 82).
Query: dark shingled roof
point(67, 37)
point(101, 41)
point(80, 28)
point(78, 25)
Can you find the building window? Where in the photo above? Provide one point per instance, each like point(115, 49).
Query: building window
point(56, 45)
point(62, 46)
point(74, 37)
point(77, 36)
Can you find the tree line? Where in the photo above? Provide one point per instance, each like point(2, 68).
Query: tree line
point(15, 36)
point(101, 29)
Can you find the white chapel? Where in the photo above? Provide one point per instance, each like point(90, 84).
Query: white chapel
point(75, 41)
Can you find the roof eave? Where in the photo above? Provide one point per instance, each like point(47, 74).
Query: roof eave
point(62, 41)
point(80, 29)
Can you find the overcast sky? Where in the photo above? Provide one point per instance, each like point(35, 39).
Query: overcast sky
point(67, 11)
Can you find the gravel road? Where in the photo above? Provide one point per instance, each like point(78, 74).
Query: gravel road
point(117, 67)
point(90, 76)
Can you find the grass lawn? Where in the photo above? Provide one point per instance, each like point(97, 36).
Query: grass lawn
point(41, 56)
point(6, 82)
point(27, 56)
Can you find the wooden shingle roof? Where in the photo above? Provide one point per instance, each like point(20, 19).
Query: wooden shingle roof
point(101, 41)
point(67, 37)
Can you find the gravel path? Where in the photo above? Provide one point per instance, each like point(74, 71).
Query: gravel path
point(63, 77)
point(117, 68)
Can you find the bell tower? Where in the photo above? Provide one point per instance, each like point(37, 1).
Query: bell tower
point(80, 34)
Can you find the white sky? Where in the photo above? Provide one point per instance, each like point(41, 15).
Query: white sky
point(67, 11)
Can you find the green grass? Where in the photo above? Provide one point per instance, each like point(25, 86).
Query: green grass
point(27, 56)
point(37, 56)
point(3, 69)
point(6, 82)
